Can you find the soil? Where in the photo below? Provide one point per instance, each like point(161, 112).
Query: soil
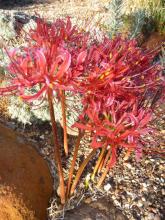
point(25, 181)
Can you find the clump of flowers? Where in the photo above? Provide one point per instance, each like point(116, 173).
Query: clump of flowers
point(115, 79)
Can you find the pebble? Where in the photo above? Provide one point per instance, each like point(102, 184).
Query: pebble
point(157, 217)
point(107, 187)
point(162, 131)
point(42, 137)
point(144, 185)
point(163, 192)
point(12, 125)
point(128, 165)
point(150, 216)
point(162, 180)
point(143, 199)
point(139, 204)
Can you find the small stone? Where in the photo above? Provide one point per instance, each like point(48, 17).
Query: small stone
point(162, 180)
point(163, 192)
point(150, 216)
point(162, 131)
point(144, 185)
point(139, 204)
point(107, 187)
point(128, 165)
point(161, 167)
point(11, 125)
point(143, 199)
point(152, 209)
point(42, 137)
point(126, 206)
point(157, 217)
point(88, 200)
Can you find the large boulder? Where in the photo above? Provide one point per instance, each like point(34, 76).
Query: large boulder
point(25, 181)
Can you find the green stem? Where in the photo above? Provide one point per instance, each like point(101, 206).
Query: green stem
point(56, 148)
point(80, 171)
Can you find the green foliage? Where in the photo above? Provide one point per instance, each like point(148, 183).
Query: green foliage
point(159, 18)
point(135, 17)
point(20, 110)
point(140, 15)
point(7, 31)
point(134, 23)
point(162, 58)
point(115, 21)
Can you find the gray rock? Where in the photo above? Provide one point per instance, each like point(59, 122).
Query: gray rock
point(102, 209)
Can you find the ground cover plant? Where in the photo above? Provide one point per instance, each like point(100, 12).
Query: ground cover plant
point(135, 19)
point(116, 80)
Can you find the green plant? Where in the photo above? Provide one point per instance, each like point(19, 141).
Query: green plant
point(144, 14)
point(7, 31)
point(114, 22)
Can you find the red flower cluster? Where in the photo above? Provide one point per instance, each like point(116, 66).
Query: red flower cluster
point(119, 78)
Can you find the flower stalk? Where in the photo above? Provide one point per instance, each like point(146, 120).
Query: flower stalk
point(80, 171)
point(105, 172)
point(56, 148)
point(98, 163)
point(71, 170)
point(63, 107)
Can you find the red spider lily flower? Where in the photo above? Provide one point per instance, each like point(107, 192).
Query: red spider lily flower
point(30, 67)
point(49, 61)
point(118, 128)
point(119, 69)
point(60, 32)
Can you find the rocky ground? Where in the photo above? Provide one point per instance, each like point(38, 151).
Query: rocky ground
point(137, 189)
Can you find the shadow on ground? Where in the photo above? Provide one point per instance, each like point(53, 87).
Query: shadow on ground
point(10, 4)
